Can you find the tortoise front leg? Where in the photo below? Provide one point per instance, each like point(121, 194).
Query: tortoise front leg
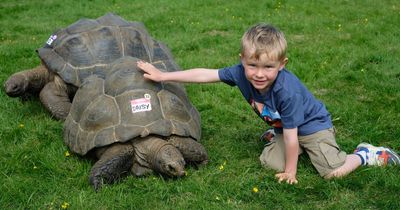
point(56, 100)
point(114, 162)
point(27, 82)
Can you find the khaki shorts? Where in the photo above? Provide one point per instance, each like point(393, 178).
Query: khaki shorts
point(321, 147)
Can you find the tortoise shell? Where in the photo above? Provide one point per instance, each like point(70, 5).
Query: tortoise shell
point(88, 46)
point(124, 106)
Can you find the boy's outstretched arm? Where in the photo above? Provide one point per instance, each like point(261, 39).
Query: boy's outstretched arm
point(198, 75)
point(292, 154)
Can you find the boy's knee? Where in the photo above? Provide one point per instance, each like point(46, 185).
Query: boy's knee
point(272, 165)
point(270, 161)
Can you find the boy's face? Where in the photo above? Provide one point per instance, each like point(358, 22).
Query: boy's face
point(262, 72)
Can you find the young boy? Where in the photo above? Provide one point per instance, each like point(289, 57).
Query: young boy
point(300, 122)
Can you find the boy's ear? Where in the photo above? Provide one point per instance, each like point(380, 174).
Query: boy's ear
point(283, 63)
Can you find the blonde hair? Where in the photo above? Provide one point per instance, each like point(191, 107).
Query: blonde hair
point(263, 38)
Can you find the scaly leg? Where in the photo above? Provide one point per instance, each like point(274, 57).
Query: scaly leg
point(114, 162)
point(56, 100)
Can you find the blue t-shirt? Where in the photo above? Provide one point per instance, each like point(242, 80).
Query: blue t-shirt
point(286, 104)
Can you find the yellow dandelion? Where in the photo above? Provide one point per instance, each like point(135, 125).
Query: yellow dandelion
point(217, 198)
point(21, 125)
point(67, 154)
point(65, 205)
point(221, 167)
point(34, 167)
point(255, 189)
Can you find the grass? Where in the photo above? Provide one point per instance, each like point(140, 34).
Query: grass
point(346, 52)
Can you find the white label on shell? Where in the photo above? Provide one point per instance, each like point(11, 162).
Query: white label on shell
point(51, 39)
point(141, 105)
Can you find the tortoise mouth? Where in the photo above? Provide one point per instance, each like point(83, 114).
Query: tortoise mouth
point(175, 169)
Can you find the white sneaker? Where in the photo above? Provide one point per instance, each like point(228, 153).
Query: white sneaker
point(268, 137)
point(378, 156)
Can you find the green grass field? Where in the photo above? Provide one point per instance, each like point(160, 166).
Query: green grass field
point(346, 52)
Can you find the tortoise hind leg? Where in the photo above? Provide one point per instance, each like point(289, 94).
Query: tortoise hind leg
point(114, 162)
point(192, 151)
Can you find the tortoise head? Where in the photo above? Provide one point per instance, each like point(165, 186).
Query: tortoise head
point(169, 161)
point(16, 85)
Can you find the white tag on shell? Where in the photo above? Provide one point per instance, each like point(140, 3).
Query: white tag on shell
point(51, 39)
point(141, 104)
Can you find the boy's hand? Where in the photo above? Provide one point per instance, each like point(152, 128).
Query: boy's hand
point(289, 177)
point(151, 72)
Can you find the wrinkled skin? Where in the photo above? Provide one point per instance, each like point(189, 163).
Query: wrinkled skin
point(28, 81)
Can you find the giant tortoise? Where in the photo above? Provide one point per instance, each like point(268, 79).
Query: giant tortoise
point(127, 122)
